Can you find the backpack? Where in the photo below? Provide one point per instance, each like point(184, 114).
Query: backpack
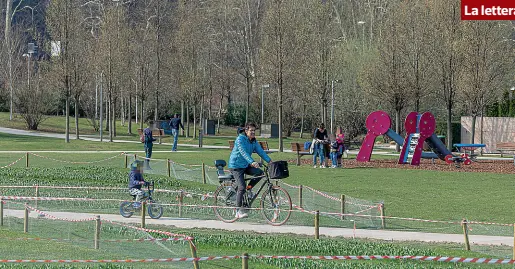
point(307, 145)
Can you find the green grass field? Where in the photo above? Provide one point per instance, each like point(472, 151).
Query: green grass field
point(417, 193)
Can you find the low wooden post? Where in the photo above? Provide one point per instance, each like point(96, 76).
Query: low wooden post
point(300, 196)
point(37, 194)
point(143, 209)
point(126, 160)
point(194, 253)
point(97, 231)
point(382, 210)
point(466, 234)
point(317, 224)
point(135, 156)
point(27, 160)
point(245, 261)
point(2, 212)
point(181, 197)
point(342, 209)
point(168, 168)
point(26, 219)
point(204, 180)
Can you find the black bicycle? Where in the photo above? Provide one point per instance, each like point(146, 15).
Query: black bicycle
point(275, 202)
point(155, 210)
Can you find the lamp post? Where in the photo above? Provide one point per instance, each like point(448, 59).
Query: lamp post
point(332, 102)
point(263, 101)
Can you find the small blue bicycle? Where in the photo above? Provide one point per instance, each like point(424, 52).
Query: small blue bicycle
point(155, 210)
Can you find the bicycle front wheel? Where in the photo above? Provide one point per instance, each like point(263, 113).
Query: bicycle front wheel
point(225, 203)
point(154, 210)
point(276, 205)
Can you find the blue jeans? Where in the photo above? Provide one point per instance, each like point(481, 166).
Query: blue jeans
point(148, 153)
point(239, 175)
point(318, 150)
point(175, 133)
point(334, 158)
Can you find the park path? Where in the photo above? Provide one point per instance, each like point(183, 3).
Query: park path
point(285, 229)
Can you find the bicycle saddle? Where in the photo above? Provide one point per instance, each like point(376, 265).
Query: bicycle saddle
point(220, 164)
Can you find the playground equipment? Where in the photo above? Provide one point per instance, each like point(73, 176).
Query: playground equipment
point(419, 129)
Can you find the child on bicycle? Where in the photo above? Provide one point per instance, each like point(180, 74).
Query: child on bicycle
point(241, 163)
point(135, 181)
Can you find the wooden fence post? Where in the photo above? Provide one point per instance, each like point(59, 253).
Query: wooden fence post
point(143, 209)
point(382, 210)
point(204, 180)
point(26, 219)
point(168, 167)
point(2, 212)
point(300, 196)
point(194, 253)
point(126, 160)
point(342, 209)
point(317, 224)
point(466, 234)
point(245, 261)
point(97, 231)
point(181, 196)
point(27, 160)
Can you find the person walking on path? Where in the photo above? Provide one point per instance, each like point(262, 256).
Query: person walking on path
point(175, 123)
point(148, 143)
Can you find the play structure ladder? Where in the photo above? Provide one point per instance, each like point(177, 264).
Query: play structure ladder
point(412, 142)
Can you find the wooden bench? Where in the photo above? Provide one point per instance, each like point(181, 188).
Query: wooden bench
point(299, 149)
point(505, 146)
point(155, 133)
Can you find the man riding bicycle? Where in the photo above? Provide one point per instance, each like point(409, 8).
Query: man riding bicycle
point(241, 163)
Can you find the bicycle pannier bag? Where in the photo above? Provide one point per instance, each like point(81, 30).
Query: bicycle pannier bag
point(278, 170)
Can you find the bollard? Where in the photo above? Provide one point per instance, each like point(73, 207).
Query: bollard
point(383, 222)
point(27, 160)
point(97, 231)
point(2, 212)
point(245, 261)
point(181, 196)
point(37, 194)
point(194, 254)
point(168, 167)
point(26, 219)
point(300, 196)
point(317, 224)
point(342, 209)
point(143, 209)
point(126, 160)
point(204, 180)
point(466, 234)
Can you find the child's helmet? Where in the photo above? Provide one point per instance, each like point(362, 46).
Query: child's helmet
point(136, 164)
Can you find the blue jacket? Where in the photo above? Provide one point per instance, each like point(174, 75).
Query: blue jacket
point(135, 179)
point(175, 123)
point(148, 137)
point(241, 155)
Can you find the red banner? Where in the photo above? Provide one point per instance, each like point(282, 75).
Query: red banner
point(487, 9)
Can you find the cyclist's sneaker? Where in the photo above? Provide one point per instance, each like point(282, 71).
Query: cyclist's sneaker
point(241, 213)
point(136, 205)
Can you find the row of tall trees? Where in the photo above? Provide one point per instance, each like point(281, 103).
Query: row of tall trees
point(310, 60)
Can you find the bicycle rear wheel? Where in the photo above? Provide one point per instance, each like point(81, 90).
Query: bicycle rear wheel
point(225, 202)
point(126, 209)
point(276, 205)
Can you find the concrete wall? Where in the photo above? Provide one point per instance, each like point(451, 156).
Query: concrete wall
point(495, 130)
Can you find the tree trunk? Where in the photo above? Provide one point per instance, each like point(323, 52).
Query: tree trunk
point(473, 131)
point(182, 116)
point(187, 120)
point(129, 116)
point(67, 107)
point(280, 98)
point(76, 117)
point(195, 121)
point(302, 120)
point(398, 127)
point(219, 116)
point(141, 111)
point(9, 51)
point(449, 128)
